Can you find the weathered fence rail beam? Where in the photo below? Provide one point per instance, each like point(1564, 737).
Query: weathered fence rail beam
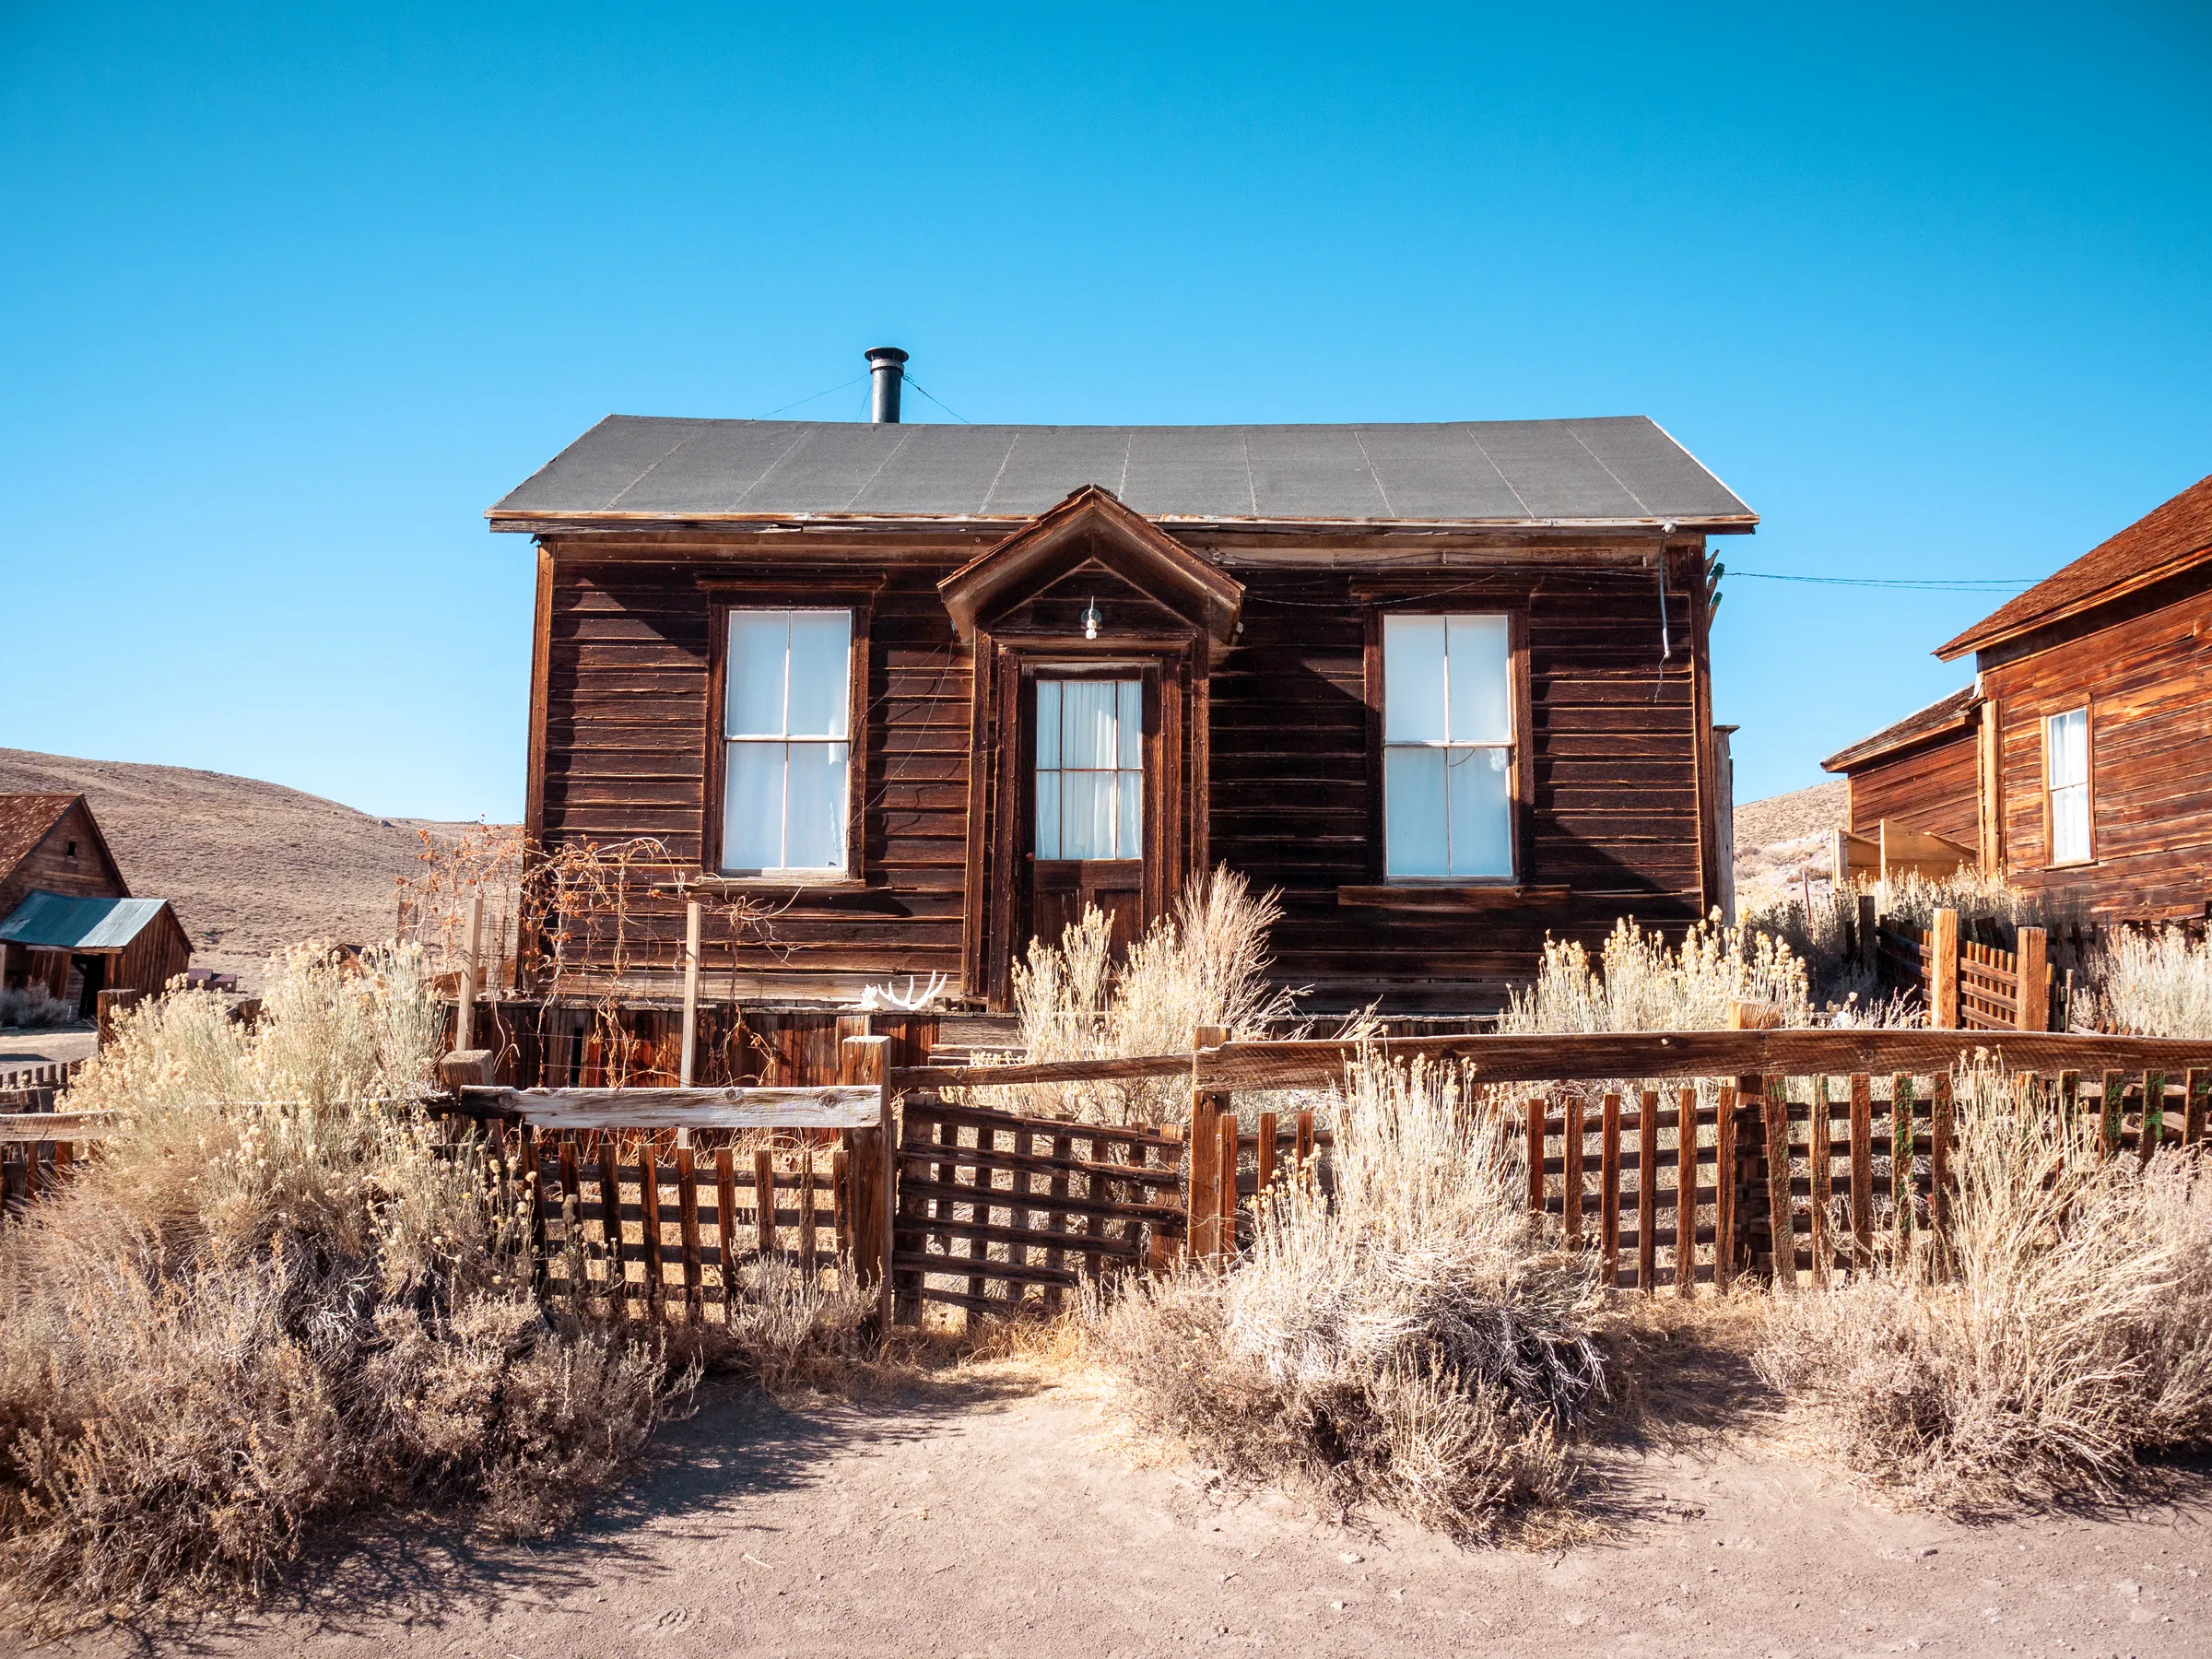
point(22, 1127)
point(829, 1107)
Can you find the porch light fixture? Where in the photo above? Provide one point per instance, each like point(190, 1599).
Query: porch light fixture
point(1091, 620)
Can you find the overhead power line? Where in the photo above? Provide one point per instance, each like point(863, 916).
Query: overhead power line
point(1959, 584)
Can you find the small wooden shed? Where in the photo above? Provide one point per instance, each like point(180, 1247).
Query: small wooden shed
point(95, 945)
point(67, 918)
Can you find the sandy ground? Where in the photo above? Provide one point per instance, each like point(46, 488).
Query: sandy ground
point(251, 867)
point(41, 1045)
point(1002, 1514)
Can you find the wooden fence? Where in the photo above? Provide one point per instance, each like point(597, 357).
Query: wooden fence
point(1963, 984)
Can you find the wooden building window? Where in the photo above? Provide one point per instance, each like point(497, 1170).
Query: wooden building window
point(787, 742)
point(2067, 786)
point(1448, 742)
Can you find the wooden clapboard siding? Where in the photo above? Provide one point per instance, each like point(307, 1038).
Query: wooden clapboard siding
point(1616, 767)
point(71, 858)
point(1931, 786)
point(2143, 667)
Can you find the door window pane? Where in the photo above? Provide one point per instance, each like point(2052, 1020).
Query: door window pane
point(1448, 754)
point(1090, 772)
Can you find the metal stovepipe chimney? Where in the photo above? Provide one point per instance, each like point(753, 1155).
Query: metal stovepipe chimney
point(887, 364)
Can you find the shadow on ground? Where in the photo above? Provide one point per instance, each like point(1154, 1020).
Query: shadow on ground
point(737, 1443)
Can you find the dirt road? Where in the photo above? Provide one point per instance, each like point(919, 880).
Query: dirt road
point(1002, 1516)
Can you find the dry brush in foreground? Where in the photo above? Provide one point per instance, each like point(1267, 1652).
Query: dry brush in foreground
point(1420, 1343)
point(276, 1302)
point(2059, 1333)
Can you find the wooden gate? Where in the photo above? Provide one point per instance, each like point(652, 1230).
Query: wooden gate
point(995, 1211)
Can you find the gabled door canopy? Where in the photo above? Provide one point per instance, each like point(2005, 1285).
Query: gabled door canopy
point(1092, 523)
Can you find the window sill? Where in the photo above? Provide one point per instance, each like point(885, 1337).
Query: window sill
point(1450, 896)
point(768, 884)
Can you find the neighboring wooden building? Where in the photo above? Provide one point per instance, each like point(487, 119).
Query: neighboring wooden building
point(2081, 762)
point(928, 690)
point(67, 920)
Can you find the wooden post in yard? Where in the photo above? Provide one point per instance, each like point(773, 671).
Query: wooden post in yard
point(686, 1063)
point(1943, 972)
point(110, 1004)
point(862, 1063)
point(1769, 1150)
point(1202, 1229)
point(464, 1012)
point(2032, 997)
point(1869, 925)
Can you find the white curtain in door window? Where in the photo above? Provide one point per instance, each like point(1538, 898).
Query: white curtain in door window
point(1448, 747)
point(787, 740)
point(1089, 771)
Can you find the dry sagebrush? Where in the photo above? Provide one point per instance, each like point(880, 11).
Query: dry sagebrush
point(273, 1301)
point(33, 1004)
point(1206, 964)
point(2155, 984)
point(2064, 1330)
point(1642, 983)
point(1420, 1343)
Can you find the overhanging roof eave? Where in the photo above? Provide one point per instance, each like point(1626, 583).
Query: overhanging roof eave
point(543, 521)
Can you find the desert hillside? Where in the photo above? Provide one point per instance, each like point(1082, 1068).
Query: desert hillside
point(1777, 838)
point(251, 866)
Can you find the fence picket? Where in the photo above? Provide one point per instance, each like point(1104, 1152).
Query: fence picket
point(2192, 1106)
point(1862, 1173)
point(1647, 1192)
point(1819, 1149)
point(1726, 1182)
point(1686, 1187)
point(1608, 1187)
point(1571, 1169)
point(2153, 1133)
point(2110, 1115)
point(1781, 1220)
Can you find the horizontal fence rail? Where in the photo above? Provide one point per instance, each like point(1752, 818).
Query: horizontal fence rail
point(1598, 1056)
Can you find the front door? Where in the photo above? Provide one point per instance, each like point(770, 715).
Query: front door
point(1091, 745)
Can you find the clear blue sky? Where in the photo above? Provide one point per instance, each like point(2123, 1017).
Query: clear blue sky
point(292, 293)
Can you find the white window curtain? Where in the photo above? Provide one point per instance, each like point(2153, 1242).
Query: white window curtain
point(1448, 747)
point(1090, 777)
point(786, 742)
point(2066, 764)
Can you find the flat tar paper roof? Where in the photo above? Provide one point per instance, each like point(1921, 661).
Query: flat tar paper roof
point(1617, 469)
point(50, 922)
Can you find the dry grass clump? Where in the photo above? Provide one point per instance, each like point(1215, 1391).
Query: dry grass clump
point(1420, 1343)
point(275, 1301)
point(2154, 985)
point(1639, 984)
point(2063, 1329)
point(33, 1004)
point(1205, 965)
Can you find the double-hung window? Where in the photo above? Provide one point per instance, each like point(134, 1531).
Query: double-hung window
point(2067, 780)
point(786, 741)
point(1447, 747)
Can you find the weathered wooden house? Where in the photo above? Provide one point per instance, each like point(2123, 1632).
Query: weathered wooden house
point(67, 919)
point(2080, 760)
point(927, 690)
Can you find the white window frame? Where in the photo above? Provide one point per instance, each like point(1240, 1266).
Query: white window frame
point(788, 741)
point(2054, 790)
point(1467, 749)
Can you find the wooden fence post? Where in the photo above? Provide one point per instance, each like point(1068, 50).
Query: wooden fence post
point(2031, 964)
point(1769, 1164)
point(862, 1063)
point(1943, 971)
point(687, 1065)
point(1869, 924)
point(464, 1010)
point(1202, 1229)
point(110, 1004)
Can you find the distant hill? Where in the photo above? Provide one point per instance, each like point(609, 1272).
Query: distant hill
point(1779, 838)
point(251, 867)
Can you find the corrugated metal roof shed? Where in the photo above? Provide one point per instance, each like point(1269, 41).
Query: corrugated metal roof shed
point(53, 922)
point(1622, 469)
